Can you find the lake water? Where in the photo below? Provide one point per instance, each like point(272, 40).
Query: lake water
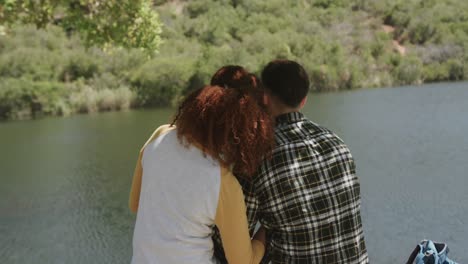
point(64, 182)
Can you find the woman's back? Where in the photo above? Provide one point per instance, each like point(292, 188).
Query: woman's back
point(182, 184)
point(180, 192)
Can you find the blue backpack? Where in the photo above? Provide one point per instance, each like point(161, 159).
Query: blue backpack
point(429, 252)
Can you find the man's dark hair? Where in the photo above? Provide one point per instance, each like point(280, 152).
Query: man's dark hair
point(287, 80)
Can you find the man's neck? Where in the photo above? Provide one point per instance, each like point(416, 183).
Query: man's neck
point(278, 108)
point(284, 111)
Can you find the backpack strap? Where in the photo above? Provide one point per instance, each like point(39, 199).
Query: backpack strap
point(413, 255)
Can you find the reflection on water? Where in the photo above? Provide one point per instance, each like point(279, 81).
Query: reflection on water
point(65, 181)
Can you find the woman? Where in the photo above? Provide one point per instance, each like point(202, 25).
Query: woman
point(183, 185)
point(236, 77)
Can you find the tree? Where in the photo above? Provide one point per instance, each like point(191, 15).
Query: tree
point(126, 23)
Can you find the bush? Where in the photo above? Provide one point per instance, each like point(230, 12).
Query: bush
point(409, 71)
point(421, 31)
point(323, 79)
point(51, 38)
point(452, 69)
point(456, 70)
point(106, 80)
point(158, 82)
point(436, 54)
point(80, 65)
point(20, 98)
point(85, 99)
point(352, 76)
point(398, 16)
point(124, 98)
point(121, 63)
point(435, 72)
point(379, 46)
point(31, 63)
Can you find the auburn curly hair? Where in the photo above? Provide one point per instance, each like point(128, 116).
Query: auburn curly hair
point(235, 76)
point(230, 125)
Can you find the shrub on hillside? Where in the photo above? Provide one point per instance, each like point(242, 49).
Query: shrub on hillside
point(106, 80)
point(456, 70)
point(421, 31)
point(323, 78)
point(85, 99)
point(433, 53)
point(80, 64)
point(121, 63)
point(51, 38)
point(21, 98)
point(409, 71)
point(158, 82)
point(398, 15)
point(435, 72)
point(33, 63)
point(379, 45)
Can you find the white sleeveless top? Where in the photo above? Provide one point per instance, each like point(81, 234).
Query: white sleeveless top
point(183, 185)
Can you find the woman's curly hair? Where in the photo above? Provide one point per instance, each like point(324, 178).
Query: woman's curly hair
point(231, 125)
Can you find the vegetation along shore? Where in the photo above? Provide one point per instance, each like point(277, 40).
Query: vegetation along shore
point(344, 44)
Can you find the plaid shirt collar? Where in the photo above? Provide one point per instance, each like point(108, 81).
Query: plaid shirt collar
point(288, 118)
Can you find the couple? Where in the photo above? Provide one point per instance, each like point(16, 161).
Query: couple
point(237, 139)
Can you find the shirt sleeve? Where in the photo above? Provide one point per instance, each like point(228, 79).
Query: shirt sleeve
point(135, 190)
point(231, 220)
point(251, 203)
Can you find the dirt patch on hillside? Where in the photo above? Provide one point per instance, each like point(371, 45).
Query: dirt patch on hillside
point(396, 44)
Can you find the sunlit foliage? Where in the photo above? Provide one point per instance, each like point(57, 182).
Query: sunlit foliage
point(127, 23)
point(342, 44)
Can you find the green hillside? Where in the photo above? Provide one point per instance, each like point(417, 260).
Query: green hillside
point(342, 44)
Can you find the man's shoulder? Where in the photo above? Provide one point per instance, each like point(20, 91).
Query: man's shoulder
point(303, 130)
point(305, 142)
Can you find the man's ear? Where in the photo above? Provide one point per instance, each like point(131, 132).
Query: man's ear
point(303, 102)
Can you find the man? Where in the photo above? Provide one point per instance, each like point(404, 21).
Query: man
point(307, 195)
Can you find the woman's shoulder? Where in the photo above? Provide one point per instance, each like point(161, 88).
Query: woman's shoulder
point(163, 129)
